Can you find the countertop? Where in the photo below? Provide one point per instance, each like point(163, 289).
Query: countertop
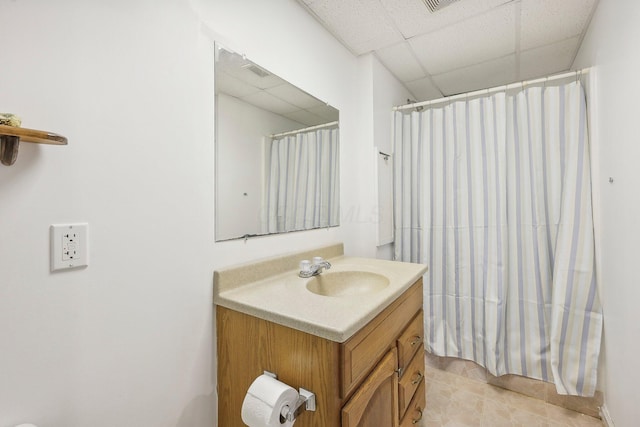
point(283, 297)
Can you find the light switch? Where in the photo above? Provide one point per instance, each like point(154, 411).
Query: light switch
point(69, 248)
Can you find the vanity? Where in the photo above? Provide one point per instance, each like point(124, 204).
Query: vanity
point(353, 340)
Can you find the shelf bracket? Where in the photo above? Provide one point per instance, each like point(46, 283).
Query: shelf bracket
point(9, 149)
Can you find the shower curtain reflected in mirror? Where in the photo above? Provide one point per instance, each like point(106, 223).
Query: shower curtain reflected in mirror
point(301, 184)
point(494, 194)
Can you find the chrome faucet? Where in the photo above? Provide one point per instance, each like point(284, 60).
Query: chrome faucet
point(308, 268)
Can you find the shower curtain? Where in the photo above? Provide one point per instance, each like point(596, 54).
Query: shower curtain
point(494, 195)
point(301, 181)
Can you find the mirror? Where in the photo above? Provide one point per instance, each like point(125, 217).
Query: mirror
point(277, 153)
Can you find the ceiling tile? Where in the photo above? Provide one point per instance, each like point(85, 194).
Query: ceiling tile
point(400, 61)
point(481, 76)
point(325, 111)
point(269, 102)
point(547, 60)
point(232, 86)
point(362, 25)
point(412, 17)
point(423, 89)
point(547, 21)
point(305, 117)
point(291, 94)
point(244, 70)
point(262, 81)
point(478, 39)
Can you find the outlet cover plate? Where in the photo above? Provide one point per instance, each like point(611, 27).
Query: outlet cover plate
point(69, 246)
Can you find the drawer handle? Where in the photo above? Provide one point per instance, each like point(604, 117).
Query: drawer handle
point(416, 340)
point(417, 378)
point(417, 420)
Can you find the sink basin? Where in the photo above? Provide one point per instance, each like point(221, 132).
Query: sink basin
point(347, 283)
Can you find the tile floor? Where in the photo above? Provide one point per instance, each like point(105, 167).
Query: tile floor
point(456, 401)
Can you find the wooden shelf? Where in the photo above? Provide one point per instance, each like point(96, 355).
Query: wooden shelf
point(11, 136)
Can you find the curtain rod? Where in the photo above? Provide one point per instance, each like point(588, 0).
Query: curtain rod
point(576, 74)
point(293, 132)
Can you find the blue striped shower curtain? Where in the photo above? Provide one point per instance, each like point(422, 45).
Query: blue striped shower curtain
point(301, 188)
point(494, 194)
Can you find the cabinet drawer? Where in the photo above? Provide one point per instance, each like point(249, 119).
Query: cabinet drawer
point(363, 350)
point(411, 379)
point(416, 408)
point(411, 340)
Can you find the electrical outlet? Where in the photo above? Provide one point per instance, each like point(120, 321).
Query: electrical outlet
point(69, 247)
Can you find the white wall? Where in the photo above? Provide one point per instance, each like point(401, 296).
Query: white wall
point(129, 341)
point(610, 47)
point(241, 133)
point(387, 93)
point(377, 92)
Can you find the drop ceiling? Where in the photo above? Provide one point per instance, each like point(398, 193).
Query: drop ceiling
point(240, 78)
point(466, 45)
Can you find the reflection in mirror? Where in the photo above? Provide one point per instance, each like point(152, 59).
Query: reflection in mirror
point(277, 153)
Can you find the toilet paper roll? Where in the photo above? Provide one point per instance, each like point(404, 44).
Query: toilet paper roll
point(265, 401)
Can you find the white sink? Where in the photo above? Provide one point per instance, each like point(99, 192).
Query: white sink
point(347, 283)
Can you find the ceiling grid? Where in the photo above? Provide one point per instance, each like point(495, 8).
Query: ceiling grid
point(467, 45)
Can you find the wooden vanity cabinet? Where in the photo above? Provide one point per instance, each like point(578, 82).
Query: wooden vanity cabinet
point(374, 379)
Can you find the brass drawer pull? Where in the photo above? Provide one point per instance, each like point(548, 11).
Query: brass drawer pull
point(416, 340)
point(417, 420)
point(417, 379)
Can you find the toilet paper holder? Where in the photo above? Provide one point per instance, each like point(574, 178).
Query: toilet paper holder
point(306, 402)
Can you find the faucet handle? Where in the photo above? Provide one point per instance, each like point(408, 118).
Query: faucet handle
point(305, 265)
point(317, 259)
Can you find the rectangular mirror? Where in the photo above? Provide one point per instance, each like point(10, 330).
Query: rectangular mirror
point(277, 153)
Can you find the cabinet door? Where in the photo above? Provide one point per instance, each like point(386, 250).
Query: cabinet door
point(375, 403)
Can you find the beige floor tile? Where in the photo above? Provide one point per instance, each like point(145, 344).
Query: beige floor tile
point(497, 413)
point(431, 360)
point(440, 375)
point(566, 417)
point(464, 368)
point(585, 405)
point(447, 403)
point(516, 400)
point(526, 386)
point(457, 401)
